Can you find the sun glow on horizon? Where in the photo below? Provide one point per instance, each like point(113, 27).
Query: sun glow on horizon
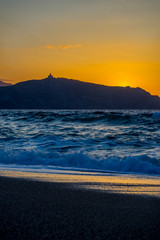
point(113, 43)
point(124, 81)
point(124, 84)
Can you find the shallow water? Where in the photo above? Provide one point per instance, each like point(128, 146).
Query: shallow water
point(118, 141)
point(107, 182)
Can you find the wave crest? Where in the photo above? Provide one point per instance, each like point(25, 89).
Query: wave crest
point(80, 160)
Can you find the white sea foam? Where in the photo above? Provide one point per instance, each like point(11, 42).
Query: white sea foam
point(79, 161)
point(121, 141)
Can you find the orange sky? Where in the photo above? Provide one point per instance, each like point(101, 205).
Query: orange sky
point(108, 42)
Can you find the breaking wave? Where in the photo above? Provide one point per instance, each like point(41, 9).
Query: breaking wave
point(79, 160)
point(103, 140)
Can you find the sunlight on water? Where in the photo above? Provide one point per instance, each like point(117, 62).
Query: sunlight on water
point(110, 183)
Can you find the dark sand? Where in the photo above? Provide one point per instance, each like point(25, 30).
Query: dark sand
point(46, 210)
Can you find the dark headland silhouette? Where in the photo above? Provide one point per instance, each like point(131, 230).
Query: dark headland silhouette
point(4, 84)
point(62, 93)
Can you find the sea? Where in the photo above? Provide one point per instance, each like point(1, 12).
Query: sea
point(117, 141)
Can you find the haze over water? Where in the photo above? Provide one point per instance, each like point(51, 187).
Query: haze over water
point(94, 140)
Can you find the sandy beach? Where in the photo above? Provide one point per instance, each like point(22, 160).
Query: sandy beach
point(32, 209)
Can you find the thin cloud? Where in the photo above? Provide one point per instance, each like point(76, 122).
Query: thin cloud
point(69, 46)
point(50, 47)
point(63, 46)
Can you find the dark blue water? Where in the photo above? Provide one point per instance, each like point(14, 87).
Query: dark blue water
point(123, 141)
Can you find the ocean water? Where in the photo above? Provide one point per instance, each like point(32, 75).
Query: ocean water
point(85, 140)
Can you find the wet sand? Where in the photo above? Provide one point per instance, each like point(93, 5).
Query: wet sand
point(49, 210)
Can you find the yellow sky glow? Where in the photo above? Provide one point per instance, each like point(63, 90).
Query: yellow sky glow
point(115, 43)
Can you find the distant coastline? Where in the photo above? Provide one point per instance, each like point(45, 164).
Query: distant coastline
point(62, 93)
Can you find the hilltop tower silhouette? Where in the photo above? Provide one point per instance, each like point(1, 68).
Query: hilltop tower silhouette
point(50, 76)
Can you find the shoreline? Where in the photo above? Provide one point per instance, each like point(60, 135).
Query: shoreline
point(135, 184)
point(52, 210)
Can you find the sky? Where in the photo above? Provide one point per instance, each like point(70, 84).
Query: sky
point(109, 42)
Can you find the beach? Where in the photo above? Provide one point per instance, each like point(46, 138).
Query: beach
point(79, 174)
point(36, 209)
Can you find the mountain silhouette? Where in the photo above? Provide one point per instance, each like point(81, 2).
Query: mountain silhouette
point(4, 84)
point(62, 93)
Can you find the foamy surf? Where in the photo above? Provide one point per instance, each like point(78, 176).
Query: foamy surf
point(97, 141)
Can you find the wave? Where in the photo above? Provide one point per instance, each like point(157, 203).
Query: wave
point(156, 115)
point(79, 160)
point(83, 116)
point(81, 139)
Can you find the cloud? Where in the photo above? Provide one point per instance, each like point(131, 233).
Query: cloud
point(63, 46)
point(69, 46)
point(50, 47)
